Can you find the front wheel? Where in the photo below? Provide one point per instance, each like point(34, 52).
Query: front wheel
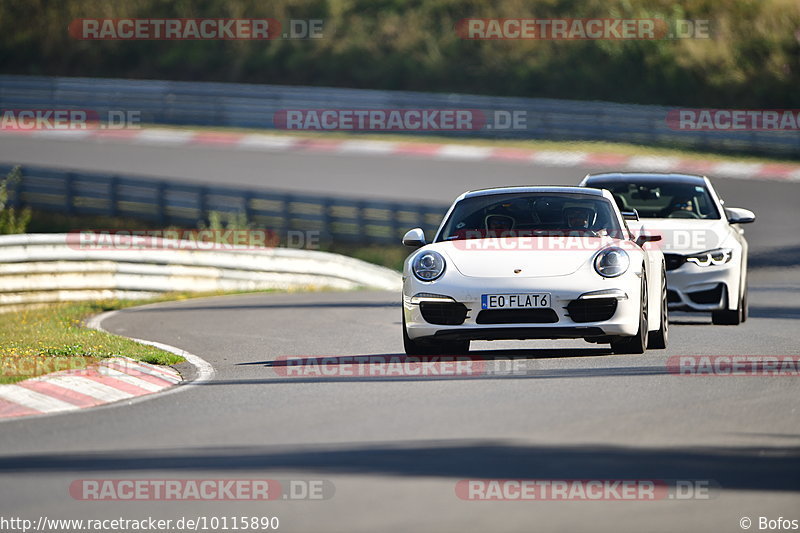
point(658, 339)
point(413, 347)
point(727, 317)
point(636, 344)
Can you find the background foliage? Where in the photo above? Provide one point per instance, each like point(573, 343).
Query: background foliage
point(753, 58)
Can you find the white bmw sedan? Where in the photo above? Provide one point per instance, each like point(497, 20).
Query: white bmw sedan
point(703, 242)
point(533, 263)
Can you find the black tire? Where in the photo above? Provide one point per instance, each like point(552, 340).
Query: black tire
point(745, 305)
point(636, 344)
point(658, 340)
point(413, 347)
point(451, 348)
point(728, 317)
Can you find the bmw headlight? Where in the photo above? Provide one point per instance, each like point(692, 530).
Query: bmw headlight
point(612, 262)
point(720, 256)
point(428, 266)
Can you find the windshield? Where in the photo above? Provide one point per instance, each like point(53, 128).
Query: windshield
point(654, 199)
point(531, 214)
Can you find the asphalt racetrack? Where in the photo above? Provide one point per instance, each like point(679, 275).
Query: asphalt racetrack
point(390, 451)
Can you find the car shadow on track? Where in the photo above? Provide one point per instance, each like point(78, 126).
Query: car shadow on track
point(517, 353)
point(733, 468)
point(484, 364)
point(754, 311)
point(788, 313)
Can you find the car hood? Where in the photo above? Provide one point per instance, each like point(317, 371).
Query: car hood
point(533, 256)
point(684, 235)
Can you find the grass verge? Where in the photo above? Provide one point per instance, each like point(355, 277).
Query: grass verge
point(37, 341)
point(34, 342)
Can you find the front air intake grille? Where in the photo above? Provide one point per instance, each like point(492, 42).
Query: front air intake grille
point(673, 297)
point(517, 316)
point(674, 261)
point(592, 310)
point(711, 296)
point(443, 313)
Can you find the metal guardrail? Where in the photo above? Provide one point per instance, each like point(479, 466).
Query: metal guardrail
point(48, 268)
point(166, 203)
point(248, 105)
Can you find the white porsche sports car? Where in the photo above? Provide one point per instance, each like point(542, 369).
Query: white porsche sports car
point(533, 263)
point(703, 242)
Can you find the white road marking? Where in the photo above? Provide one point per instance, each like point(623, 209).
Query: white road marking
point(463, 151)
point(258, 141)
point(736, 170)
point(367, 147)
point(559, 159)
point(163, 136)
point(653, 163)
point(63, 134)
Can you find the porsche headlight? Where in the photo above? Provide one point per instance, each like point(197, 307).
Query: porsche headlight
point(612, 262)
point(428, 266)
point(719, 256)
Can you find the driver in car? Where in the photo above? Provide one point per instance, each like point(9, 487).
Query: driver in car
point(499, 225)
point(682, 205)
point(578, 218)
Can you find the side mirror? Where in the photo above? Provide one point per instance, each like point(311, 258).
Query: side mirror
point(414, 237)
point(737, 215)
point(630, 215)
point(644, 237)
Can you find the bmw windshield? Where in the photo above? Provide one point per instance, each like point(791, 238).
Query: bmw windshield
point(661, 199)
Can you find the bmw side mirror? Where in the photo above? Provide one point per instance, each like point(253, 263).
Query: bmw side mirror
point(414, 238)
point(630, 215)
point(737, 215)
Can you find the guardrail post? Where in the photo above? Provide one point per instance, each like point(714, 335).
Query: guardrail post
point(360, 224)
point(113, 196)
point(327, 230)
point(421, 217)
point(161, 203)
point(247, 200)
point(286, 215)
point(202, 203)
point(69, 192)
point(394, 225)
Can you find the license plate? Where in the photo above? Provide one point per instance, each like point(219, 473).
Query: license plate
point(515, 301)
